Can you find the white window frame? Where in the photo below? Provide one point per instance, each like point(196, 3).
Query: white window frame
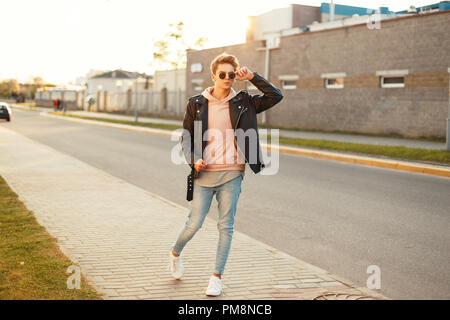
point(288, 86)
point(198, 83)
point(391, 85)
point(196, 67)
point(327, 76)
point(391, 74)
point(288, 77)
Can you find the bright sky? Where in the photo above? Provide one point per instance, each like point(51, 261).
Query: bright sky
point(61, 40)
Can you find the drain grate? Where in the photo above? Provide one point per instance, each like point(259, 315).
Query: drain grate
point(343, 296)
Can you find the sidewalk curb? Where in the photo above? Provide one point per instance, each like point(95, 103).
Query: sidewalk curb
point(367, 161)
point(361, 160)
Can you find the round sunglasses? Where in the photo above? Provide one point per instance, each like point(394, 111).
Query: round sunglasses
point(231, 75)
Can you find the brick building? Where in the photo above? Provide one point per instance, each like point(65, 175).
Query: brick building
point(391, 80)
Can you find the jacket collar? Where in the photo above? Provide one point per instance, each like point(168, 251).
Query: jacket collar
point(238, 96)
point(201, 99)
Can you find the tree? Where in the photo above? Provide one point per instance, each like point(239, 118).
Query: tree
point(38, 82)
point(170, 52)
point(30, 87)
point(9, 88)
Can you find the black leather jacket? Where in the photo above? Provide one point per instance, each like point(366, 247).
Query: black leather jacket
point(243, 110)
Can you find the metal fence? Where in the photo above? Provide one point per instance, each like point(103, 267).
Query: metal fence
point(168, 102)
point(152, 102)
point(73, 99)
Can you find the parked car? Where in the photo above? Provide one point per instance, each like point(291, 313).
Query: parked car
point(20, 99)
point(5, 111)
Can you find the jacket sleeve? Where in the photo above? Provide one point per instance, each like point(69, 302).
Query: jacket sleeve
point(271, 97)
point(187, 138)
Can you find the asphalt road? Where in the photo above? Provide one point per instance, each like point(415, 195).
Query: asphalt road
point(338, 216)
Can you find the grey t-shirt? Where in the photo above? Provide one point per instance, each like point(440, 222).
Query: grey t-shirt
point(216, 178)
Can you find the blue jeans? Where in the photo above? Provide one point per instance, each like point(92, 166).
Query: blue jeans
point(227, 196)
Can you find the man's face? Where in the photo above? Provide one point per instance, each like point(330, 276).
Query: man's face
point(225, 83)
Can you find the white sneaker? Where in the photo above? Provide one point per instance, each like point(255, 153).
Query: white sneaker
point(176, 266)
point(214, 287)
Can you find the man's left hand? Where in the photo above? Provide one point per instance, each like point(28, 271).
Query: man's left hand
point(244, 73)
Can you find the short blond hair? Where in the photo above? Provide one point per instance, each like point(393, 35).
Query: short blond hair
point(224, 58)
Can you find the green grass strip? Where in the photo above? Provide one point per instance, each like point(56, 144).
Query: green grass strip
point(32, 267)
point(354, 133)
point(395, 152)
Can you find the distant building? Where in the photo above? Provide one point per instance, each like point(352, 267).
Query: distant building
point(294, 19)
point(346, 74)
point(118, 81)
point(82, 81)
point(344, 11)
point(440, 6)
point(126, 92)
point(281, 21)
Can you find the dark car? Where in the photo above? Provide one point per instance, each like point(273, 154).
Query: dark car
point(20, 99)
point(5, 111)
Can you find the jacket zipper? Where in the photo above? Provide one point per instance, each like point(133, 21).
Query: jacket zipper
point(239, 117)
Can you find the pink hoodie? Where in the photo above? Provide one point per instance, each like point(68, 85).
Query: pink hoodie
point(221, 152)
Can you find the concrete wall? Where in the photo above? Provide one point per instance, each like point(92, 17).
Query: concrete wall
point(304, 15)
point(278, 20)
point(417, 44)
point(324, 17)
point(272, 21)
point(110, 85)
point(172, 80)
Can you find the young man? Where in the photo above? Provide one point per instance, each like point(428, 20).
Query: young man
point(218, 160)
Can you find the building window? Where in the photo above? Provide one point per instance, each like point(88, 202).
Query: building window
point(392, 82)
point(197, 84)
point(288, 82)
point(392, 78)
point(334, 83)
point(333, 80)
point(196, 67)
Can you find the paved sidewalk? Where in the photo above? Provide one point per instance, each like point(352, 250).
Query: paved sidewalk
point(120, 235)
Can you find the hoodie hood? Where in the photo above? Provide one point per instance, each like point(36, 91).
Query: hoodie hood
point(207, 94)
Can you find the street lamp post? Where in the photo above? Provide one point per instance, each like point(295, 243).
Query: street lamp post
point(448, 118)
point(136, 113)
point(332, 11)
point(269, 46)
